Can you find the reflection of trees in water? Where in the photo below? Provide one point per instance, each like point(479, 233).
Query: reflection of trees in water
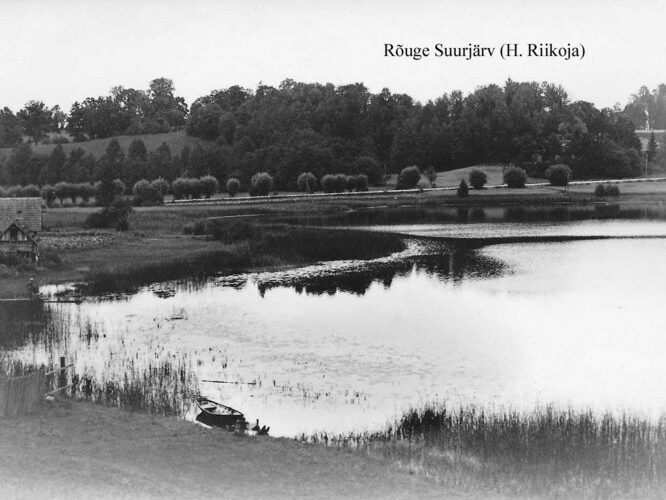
point(511, 213)
point(453, 266)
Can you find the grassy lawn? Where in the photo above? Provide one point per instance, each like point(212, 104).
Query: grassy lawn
point(97, 147)
point(83, 450)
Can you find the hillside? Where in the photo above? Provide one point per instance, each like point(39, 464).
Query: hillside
point(175, 140)
point(452, 178)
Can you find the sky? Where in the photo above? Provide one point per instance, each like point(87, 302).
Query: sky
point(60, 51)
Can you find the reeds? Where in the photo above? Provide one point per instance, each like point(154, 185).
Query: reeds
point(166, 387)
point(545, 452)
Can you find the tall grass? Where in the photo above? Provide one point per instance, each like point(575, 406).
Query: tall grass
point(563, 453)
point(165, 386)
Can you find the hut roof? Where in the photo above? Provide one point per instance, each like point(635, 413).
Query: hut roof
point(26, 212)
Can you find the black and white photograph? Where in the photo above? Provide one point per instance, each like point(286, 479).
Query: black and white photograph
point(332, 250)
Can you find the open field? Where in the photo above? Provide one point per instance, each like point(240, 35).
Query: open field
point(83, 450)
point(97, 147)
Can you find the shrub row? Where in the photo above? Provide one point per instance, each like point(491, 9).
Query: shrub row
point(602, 190)
point(189, 187)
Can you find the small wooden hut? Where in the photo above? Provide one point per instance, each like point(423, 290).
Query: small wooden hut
point(20, 225)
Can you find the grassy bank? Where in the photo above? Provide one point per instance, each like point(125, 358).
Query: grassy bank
point(548, 452)
point(80, 450)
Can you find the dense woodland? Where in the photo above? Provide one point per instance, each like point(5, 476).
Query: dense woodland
point(327, 129)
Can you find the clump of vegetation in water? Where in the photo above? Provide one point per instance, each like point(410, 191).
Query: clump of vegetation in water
point(565, 453)
point(161, 386)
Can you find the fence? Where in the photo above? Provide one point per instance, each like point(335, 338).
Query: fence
point(21, 394)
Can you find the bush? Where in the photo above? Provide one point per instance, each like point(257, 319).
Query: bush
point(209, 185)
point(114, 216)
point(351, 182)
point(559, 175)
point(307, 182)
point(48, 194)
point(600, 190)
point(477, 178)
point(3, 192)
point(233, 186)
point(409, 178)
point(261, 184)
point(328, 183)
point(361, 182)
point(64, 190)
point(119, 187)
point(612, 190)
point(195, 188)
point(145, 194)
point(340, 183)
point(179, 187)
point(85, 190)
point(161, 185)
point(515, 177)
point(30, 191)
point(463, 190)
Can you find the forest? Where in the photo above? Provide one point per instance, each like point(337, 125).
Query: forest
point(301, 127)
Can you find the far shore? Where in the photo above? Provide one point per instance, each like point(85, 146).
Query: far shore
point(156, 233)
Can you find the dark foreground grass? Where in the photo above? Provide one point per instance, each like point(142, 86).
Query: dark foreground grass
point(548, 452)
point(243, 247)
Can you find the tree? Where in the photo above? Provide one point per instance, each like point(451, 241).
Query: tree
point(113, 161)
point(652, 148)
point(10, 129)
point(233, 186)
point(409, 178)
point(261, 184)
point(559, 175)
point(477, 178)
point(36, 120)
point(515, 177)
point(307, 182)
point(431, 175)
point(165, 109)
point(56, 165)
point(463, 190)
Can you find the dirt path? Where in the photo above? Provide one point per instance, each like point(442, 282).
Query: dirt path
point(83, 450)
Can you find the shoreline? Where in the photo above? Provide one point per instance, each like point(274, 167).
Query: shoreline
point(159, 239)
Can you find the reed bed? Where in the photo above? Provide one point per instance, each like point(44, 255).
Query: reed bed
point(546, 452)
point(162, 386)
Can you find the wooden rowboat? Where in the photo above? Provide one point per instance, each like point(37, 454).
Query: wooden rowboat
point(219, 415)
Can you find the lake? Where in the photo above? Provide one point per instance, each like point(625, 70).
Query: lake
point(348, 346)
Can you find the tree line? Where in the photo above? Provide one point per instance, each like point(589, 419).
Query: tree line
point(325, 129)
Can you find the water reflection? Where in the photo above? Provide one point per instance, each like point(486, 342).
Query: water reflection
point(560, 212)
point(454, 266)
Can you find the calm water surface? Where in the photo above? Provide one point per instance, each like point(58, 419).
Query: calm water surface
point(348, 346)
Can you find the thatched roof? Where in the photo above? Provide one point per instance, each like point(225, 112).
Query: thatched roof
point(26, 212)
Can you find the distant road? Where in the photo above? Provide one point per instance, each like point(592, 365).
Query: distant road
point(383, 193)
